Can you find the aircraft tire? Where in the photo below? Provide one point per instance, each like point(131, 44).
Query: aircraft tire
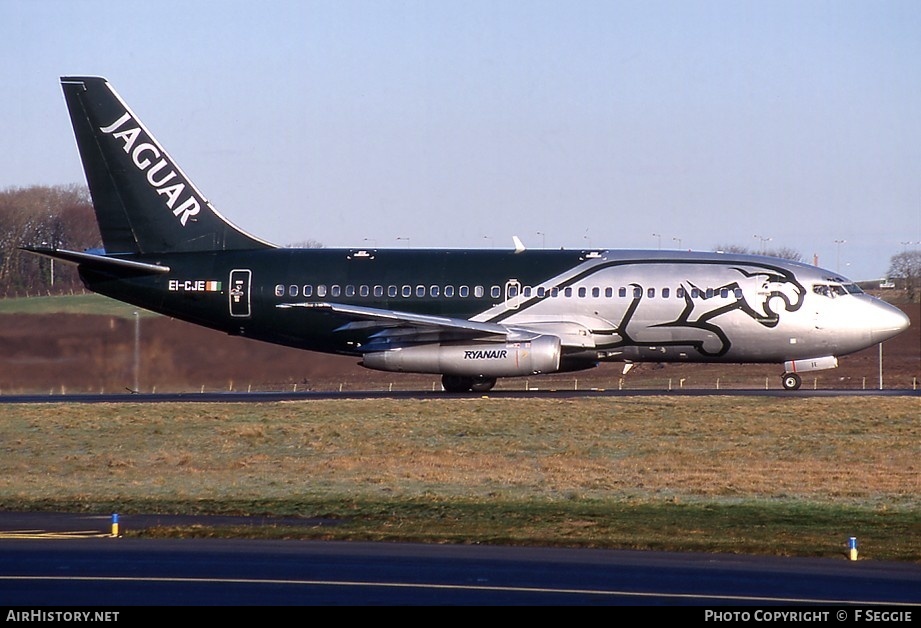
point(792, 381)
point(482, 384)
point(456, 383)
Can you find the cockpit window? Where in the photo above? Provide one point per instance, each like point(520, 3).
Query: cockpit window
point(831, 290)
point(853, 288)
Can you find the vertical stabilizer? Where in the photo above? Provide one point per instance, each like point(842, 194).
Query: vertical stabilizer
point(144, 202)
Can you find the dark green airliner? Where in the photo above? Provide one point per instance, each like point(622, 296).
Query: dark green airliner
point(469, 315)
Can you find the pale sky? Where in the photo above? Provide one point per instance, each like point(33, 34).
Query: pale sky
point(574, 124)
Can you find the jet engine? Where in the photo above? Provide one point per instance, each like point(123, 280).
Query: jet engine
point(487, 359)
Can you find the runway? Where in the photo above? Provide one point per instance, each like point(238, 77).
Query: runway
point(89, 569)
point(268, 397)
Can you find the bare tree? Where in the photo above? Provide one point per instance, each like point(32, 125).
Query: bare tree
point(782, 252)
point(907, 267)
point(56, 216)
point(307, 244)
point(785, 252)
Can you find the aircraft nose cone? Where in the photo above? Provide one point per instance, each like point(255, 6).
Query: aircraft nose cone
point(888, 321)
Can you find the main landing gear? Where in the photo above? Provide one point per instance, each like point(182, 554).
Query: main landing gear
point(792, 381)
point(459, 383)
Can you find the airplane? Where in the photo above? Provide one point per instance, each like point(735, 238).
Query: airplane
point(469, 315)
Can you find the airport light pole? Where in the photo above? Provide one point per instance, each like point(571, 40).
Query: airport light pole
point(678, 240)
point(838, 255)
point(137, 351)
point(880, 366)
point(659, 236)
point(763, 240)
point(543, 239)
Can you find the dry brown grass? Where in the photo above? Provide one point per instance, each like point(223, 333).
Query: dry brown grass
point(858, 451)
point(730, 474)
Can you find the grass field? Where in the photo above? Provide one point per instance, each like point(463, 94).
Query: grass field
point(71, 304)
point(745, 475)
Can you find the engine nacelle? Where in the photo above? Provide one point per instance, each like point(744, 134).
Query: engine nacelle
point(487, 359)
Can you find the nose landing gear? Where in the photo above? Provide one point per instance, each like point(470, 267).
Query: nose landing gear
point(791, 381)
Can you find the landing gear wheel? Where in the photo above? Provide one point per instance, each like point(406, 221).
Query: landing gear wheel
point(792, 381)
point(483, 384)
point(456, 383)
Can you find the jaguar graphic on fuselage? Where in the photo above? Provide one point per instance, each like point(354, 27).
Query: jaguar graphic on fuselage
point(470, 315)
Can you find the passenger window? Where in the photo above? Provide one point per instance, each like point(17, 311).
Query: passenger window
point(292, 291)
point(665, 293)
point(350, 291)
point(709, 293)
point(420, 291)
point(737, 293)
point(407, 291)
point(554, 292)
point(679, 293)
point(335, 291)
point(526, 292)
point(478, 291)
point(695, 293)
point(567, 292)
point(541, 292)
point(582, 292)
point(463, 292)
point(363, 291)
point(434, 291)
point(449, 291)
point(609, 292)
point(279, 290)
point(651, 293)
point(724, 293)
point(596, 292)
point(513, 291)
point(321, 291)
point(622, 292)
point(391, 291)
point(308, 291)
point(637, 292)
point(495, 292)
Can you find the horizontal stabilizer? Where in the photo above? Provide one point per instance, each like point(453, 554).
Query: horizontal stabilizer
point(97, 262)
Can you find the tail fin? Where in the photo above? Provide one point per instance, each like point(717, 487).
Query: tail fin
point(144, 202)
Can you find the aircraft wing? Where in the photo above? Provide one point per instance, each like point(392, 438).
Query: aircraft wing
point(408, 326)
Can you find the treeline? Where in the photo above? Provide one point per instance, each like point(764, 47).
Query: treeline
point(60, 216)
point(781, 252)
